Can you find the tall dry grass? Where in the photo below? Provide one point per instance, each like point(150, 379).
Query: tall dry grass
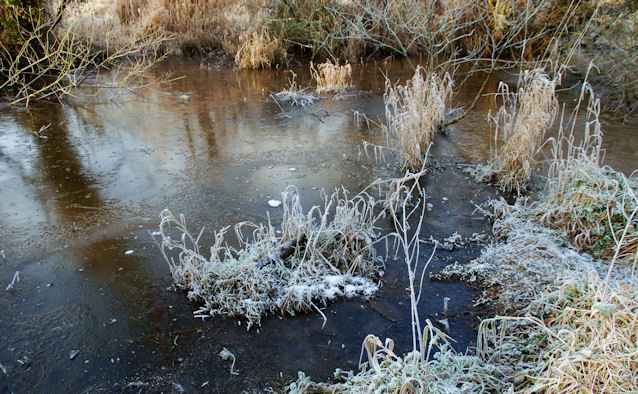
point(337, 29)
point(331, 77)
point(257, 50)
point(414, 114)
point(519, 129)
point(196, 26)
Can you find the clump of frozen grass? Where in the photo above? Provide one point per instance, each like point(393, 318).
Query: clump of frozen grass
point(294, 95)
point(566, 329)
point(432, 365)
point(529, 258)
point(582, 337)
point(331, 77)
point(442, 370)
point(519, 128)
point(589, 202)
point(414, 114)
point(320, 255)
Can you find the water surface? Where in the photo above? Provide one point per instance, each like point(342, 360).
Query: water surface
point(77, 196)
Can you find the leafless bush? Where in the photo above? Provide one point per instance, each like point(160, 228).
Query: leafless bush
point(51, 62)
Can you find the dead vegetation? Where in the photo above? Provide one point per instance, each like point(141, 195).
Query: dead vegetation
point(47, 62)
point(320, 255)
point(414, 114)
point(590, 203)
point(497, 34)
point(331, 77)
point(197, 26)
point(570, 321)
point(293, 94)
point(519, 129)
point(257, 50)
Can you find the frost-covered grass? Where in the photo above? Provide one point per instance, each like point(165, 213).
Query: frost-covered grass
point(442, 370)
point(320, 255)
point(294, 95)
point(589, 202)
point(414, 114)
point(571, 324)
point(519, 129)
point(570, 321)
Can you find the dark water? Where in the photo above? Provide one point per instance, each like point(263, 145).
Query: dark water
point(80, 194)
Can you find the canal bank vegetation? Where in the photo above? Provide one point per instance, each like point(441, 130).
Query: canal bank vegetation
point(39, 60)
point(563, 274)
point(477, 35)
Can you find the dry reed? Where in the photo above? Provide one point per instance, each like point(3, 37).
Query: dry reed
point(414, 114)
point(519, 129)
point(257, 50)
point(331, 77)
point(319, 256)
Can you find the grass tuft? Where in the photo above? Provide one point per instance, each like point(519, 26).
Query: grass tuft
point(294, 95)
point(591, 203)
point(331, 77)
point(519, 129)
point(257, 50)
point(415, 113)
point(319, 256)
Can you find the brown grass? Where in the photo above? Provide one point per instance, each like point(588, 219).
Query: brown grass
point(414, 114)
point(519, 128)
point(197, 25)
point(331, 77)
point(257, 50)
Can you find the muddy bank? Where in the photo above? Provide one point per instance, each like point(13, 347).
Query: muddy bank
point(79, 195)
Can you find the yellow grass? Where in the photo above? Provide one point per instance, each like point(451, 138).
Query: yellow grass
point(257, 50)
point(331, 77)
point(519, 128)
point(414, 114)
point(197, 25)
